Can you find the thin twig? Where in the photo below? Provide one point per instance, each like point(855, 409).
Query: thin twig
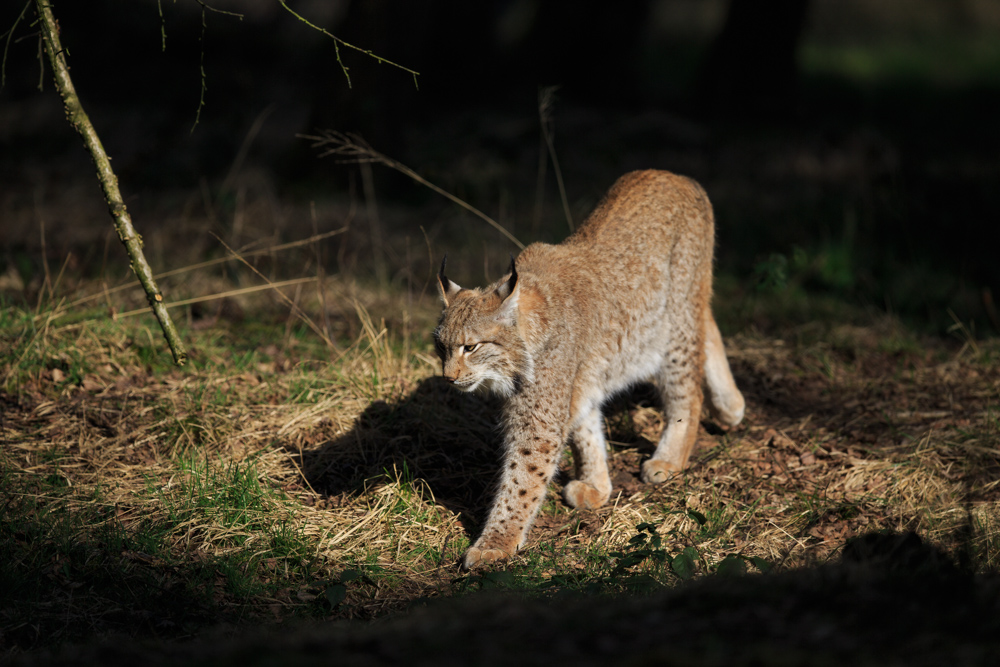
point(338, 42)
point(241, 154)
point(163, 26)
point(201, 69)
point(546, 98)
point(47, 285)
point(6, 46)
point(199, 265)
point(220, 295)
point(355, 148)
point(968, 336)
point(205, 8)
point(295, 308)
point(374, 224)
point(320, 272)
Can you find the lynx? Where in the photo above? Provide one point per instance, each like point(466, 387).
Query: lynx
point(623, 300)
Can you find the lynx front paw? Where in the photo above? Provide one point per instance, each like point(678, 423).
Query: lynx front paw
point(480, 556)
point(584, 496)
point(657, 472)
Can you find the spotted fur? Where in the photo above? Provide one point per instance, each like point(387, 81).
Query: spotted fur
point(623, 300)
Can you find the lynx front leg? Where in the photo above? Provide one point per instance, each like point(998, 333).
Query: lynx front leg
point(592, 486)
point(680, 386)
point(528, 465)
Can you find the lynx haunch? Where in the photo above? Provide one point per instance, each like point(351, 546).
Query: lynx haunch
point(623, 300)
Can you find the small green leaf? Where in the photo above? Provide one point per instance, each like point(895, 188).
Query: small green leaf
point(349, 575)
point(498, 579)
point(335, 594)
point(732, 565)
point(761, 564)
point(641, 582)
point(631, 560)
point(698, 517)
point(683, 565)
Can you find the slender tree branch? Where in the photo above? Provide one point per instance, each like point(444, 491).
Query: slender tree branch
point(205, 6)
point(63, 309)
point(338, 42)
point(163, 26)
point(355, 148)
point(223, 295)
point(109, 182)
point(9, 34)
point(301, 314)
point(201, 68)
point(546, 98)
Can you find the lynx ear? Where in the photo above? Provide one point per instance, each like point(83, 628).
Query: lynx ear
point(508, 291)
point(446, 288)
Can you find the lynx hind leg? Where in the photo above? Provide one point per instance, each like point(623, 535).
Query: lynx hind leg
point(592, 487)
point(680, 385)
point(725, 402)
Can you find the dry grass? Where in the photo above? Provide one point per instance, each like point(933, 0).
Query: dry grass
point(274, 464)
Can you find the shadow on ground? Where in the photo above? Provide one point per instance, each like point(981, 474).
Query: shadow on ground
point(890, 600)
point(451, 443)
point(444, 439)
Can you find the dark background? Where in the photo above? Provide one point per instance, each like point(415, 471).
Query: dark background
point(850, 148)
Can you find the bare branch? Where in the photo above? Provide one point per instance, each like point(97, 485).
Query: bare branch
point(222, 295)
point(163, 26)
point(207, 7)
point(338, 42)
point(301, 314)
point(358, 151)
point(62, 310)
point(546, 98)
point(6, 45)
point(109, 182)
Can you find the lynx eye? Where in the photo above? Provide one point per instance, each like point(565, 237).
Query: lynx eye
point(469, 349)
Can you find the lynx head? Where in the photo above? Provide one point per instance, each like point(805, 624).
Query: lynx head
point(477, 337)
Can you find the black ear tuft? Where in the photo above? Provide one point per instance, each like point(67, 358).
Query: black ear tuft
point(507, 288)
point(441, 277)
point(513, 275)
point(446, 288)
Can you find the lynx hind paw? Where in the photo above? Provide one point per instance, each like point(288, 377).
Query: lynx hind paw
point(728, 413)
point(477, 556)
point(657, 472)
point(584, 496)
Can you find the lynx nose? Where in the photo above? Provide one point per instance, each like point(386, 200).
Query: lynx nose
point(450, 379)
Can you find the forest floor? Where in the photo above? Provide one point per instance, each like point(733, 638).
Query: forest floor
point(302, 490)
point(306, 469)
